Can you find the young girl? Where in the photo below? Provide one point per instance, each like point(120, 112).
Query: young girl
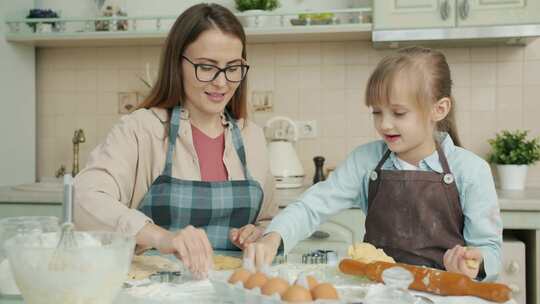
point(186, 172)
point(427, 201)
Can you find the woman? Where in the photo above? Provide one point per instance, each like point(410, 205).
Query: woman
point(187, 157)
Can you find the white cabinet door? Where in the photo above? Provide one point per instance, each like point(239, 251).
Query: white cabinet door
point(497, 12)
point(412, 14)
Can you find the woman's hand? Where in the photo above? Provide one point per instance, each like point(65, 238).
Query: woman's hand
point(264, 250)
point(243, 236)
point(191, 246)
point(463, 260)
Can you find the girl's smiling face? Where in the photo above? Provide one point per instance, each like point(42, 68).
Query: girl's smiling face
point(404, 126)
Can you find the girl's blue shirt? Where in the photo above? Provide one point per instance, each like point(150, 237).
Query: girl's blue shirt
point(347, 187)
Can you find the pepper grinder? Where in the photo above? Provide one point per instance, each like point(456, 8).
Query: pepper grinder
point(319, 173)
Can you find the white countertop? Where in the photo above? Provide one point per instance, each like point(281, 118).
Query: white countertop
point(527, 200)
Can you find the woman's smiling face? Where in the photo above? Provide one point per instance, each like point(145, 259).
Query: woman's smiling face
point(212, 47)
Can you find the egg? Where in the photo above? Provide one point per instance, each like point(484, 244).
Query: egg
point(240, 275)
point(297, 293)
point(324, 291)
point(275, 285)
point(311, 281)
point(257, 279)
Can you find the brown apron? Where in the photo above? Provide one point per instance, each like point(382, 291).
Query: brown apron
point(414, 216)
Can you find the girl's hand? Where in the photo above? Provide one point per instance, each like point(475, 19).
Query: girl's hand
point(263, 251)
point(241, 237)
point(191, 246)
point(463, 260)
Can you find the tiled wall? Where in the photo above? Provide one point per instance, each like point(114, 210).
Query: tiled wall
point(495, 88)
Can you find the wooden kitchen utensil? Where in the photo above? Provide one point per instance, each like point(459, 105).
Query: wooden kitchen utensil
point(432, 280)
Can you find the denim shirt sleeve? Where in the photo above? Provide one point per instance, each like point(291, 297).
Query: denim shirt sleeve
point(483, 223)
point(345, 187)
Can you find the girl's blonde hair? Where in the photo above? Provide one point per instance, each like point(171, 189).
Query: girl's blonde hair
point(427, 76)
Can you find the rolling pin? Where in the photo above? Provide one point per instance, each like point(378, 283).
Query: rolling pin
point(432, 280)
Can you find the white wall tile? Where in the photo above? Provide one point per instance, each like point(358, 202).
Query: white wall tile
point(78, 87)
point(532, 52)
point(532, 73)
point(510, 54)
point(461, 74)
point(531, 98)
point(310, 101)
point(509, 73)
point(333, 53)
point(333, 102)
point(483, 74)
point(509, 99)
point(286, 55)
point(357, 52)
point(333, 76)
point(287, 77)
point(462, 98)
point(310, 77)
point(483, 99)
point(107, 103)
point(356, 76)
point(309, 53)
point(286, 102)
point(261, 54)
point(483, 54)
point(457, 55)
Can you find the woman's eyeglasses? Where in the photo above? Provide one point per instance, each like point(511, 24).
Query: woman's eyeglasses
point(209, 72)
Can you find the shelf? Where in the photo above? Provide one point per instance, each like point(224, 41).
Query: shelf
point(256, 35)
point(346, 24)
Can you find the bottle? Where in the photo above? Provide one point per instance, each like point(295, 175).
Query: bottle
point(319, 173)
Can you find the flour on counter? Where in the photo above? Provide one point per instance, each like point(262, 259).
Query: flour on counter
point(7, 281)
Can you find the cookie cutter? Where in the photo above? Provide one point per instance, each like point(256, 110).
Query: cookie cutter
point(166, 277)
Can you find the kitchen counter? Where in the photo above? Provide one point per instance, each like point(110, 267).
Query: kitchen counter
point(520, 211)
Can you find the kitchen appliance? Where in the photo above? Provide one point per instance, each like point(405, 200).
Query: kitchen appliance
point(513, 268)
point(285, 165)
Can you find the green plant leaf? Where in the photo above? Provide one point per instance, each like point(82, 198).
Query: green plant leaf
point(513, 148)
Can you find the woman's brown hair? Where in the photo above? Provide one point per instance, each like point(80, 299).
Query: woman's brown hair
point(428, 75)
point(168, 91)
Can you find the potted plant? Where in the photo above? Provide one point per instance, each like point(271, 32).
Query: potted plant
point(42, 14)
point(253, 11)
point(512, 153)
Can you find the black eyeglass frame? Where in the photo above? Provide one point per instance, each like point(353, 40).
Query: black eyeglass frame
point(220, 70)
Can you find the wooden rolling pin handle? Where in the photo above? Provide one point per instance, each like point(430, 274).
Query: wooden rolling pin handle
point(434, 281)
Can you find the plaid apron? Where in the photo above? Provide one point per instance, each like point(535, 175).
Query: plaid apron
point(214, 206)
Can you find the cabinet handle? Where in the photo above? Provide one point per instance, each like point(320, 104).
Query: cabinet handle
point(445, 10)
point(464, 9)
point(514, 288)
point(513, 267)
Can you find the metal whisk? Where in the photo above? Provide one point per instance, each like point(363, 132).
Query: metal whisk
point(61, 258)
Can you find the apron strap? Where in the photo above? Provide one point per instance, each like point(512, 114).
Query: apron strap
point(383, 159)
point(440, 153)
point(174, 127)
point(443, 160)
point(238, 144)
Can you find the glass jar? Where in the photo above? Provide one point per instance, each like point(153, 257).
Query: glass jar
point(10, 227)
point(397, 280)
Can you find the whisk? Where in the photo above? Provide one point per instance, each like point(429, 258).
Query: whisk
point(61, 258)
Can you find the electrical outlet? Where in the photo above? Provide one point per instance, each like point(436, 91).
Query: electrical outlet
point(128, 101)
point(262, 101)
point(307, 128)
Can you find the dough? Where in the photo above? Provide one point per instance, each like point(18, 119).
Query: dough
point(142, 266)
point(222, 262)
point(367, 253)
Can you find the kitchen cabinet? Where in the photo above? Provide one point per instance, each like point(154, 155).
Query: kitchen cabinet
point(417, 14)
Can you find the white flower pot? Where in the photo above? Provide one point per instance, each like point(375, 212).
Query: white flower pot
point(512, 177)
point(254, 18)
